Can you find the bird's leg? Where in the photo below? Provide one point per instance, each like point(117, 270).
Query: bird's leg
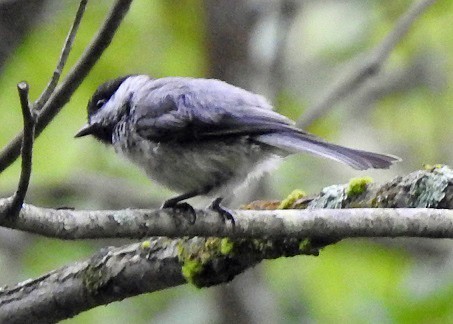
point(175, 202)
point(224, 213)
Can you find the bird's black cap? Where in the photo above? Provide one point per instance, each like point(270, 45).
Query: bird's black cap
point(103, 93)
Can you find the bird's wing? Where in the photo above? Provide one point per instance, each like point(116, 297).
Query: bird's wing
point(198, 109)
point(194, 109)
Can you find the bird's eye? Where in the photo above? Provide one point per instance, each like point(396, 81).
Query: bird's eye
point(100, 103)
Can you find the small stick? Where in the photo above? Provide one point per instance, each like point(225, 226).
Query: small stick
point(26, 150)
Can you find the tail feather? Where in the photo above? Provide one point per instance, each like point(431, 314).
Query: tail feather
point(296, 142)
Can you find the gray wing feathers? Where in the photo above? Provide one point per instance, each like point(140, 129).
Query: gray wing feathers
point(160, 119)
point(203, 108)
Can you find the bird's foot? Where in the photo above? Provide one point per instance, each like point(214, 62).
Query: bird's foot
point(188, 211)
point(224, 213)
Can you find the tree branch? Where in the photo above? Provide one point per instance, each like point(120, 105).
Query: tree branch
point(117, 273)
point(45, 95)
point(26, 151)
point(65, 90)
point(367, 68)
point(411, 195)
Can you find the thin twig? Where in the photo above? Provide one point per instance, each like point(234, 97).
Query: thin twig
point(66, 89)
point(45, 95)
point(26, 150)
point(367, 68)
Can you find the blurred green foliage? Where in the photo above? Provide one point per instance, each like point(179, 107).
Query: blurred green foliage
point(355, 281)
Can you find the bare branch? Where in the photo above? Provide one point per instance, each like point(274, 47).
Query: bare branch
point(411, 194)
point(72, 81)
point(136, 224)
point(117, 273)
point(45, 95)
point(26, 150)
point(367, 68)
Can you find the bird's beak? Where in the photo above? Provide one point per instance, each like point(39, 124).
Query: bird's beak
point(88, 129)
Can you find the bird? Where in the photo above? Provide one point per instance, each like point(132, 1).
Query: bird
point(203, 137)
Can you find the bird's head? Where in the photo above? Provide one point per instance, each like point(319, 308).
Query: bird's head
point(105, 109)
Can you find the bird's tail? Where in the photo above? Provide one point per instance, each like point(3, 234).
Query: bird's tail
point(296, 142)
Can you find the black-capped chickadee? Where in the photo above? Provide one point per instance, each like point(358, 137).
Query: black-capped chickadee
point(202, 136)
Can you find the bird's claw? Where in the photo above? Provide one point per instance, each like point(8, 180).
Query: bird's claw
point(186, 209)
point(224, 213)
